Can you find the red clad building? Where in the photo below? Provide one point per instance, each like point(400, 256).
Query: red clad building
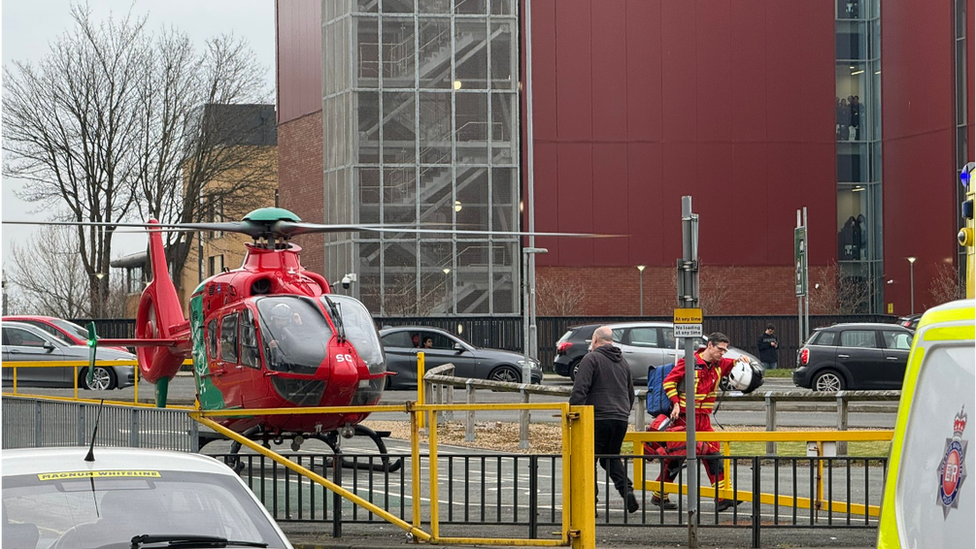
point(636, 103)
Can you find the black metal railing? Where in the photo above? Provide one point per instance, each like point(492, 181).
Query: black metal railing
point(521, 494)
point(505, 332)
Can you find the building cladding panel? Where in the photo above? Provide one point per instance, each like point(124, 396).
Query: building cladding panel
point(919, 160)
point(298, 42)
point(638, 103)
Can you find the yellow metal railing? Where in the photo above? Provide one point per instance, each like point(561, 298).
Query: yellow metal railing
point(725, 438)
point(578, 483)
point(15, 365)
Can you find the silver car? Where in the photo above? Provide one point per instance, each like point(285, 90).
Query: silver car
point(128, 497)
point(23, 342)
point(653, 344)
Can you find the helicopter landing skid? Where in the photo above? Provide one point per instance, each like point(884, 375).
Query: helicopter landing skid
point(330, 438)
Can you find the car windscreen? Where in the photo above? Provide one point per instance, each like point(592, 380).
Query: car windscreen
point(294, 333)
point(71, 328)
point(97, 508)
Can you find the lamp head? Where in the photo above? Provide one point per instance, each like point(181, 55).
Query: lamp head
point(911, 259)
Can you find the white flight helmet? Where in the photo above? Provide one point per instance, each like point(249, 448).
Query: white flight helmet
point(745, 377)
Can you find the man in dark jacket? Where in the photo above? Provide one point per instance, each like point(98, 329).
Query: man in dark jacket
point(604, 381)
point(768, 345)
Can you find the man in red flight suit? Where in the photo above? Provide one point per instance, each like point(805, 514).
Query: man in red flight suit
point(710, 367)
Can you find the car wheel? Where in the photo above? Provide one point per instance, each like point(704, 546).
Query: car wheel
point(103, 379)
point(508, 374)
point(828, 381)
point(573, 369)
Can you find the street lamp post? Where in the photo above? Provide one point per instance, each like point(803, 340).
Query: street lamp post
point(101, 300)
point(641, 269)
point(528, 300)
point(911, 279)
point(447, 288)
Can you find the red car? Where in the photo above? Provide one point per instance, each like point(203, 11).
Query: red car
point(68, 332)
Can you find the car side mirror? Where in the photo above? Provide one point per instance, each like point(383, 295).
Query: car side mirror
point(458, 348)
point(48, 347)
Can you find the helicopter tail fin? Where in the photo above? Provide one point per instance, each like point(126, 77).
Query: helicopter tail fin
point(160, 317)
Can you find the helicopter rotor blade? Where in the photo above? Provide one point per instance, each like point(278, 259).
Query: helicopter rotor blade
point(290, 228)
point(228, 226)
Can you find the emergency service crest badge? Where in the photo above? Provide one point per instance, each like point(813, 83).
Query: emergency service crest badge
point(952, 470)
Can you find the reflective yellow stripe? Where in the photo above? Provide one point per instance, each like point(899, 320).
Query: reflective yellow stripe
point(938, 316)
point(950, 334)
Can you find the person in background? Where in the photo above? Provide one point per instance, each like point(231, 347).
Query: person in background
point(768, 346)
point(604, 381)
point(428, 343)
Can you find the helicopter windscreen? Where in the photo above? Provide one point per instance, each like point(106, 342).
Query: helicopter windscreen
point(360, 331)
point(294, 333)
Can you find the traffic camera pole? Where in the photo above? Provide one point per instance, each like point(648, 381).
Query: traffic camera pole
point(688, 298)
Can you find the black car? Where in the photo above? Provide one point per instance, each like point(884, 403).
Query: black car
point(854, 356)
point(402, 343)
point(910, 321)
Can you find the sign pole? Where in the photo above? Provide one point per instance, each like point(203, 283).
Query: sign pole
point(806, 278)
point(688, 299)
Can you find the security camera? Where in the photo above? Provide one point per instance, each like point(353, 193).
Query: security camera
point(347, 280)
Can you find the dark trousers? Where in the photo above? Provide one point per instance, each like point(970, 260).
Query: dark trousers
point(608, 435)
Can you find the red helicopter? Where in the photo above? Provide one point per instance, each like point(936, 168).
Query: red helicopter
point(270, 334)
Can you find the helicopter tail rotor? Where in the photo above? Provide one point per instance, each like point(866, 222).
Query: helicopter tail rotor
point(160, 317)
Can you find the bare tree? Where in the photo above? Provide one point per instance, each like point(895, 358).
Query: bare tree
point(560, 297)
point(831, 293)
point(199, 129)
point(947, 285)
point(70, 127)
point(115, 116)
point(50, 276)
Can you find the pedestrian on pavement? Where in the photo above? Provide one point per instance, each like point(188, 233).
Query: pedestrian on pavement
point(604, 381)
point(710, 367)
point(768, 347)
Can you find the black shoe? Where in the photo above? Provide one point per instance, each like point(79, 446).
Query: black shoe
point(632, 505)
point(725, 504)
point(663, 503)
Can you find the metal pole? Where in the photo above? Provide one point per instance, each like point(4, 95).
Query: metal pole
point(689, 241)
point(526, 369)
point(530, 168)
point(806, 277)
point(911, 280)
point(799, 298)
point(641, 269)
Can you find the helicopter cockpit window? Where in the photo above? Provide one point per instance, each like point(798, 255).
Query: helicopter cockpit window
point(360, 331)
point(294, 333)
point(228, 338)
point(212, 339)
point(250, 356)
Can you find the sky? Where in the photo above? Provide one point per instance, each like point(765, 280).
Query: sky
point(29, 27)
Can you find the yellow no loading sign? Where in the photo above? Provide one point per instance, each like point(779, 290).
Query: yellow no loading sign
point(687, 316)
point(687, 323)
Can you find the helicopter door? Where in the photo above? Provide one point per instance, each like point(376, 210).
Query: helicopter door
point(229, 375)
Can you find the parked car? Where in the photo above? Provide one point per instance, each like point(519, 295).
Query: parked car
point(910, 321)
point(53, 498)
point(68, 332)
point(643, 344)
point(23, 342)
point(854, 356)
point(402, 343)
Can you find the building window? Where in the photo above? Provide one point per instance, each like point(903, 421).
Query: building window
point(216, 264)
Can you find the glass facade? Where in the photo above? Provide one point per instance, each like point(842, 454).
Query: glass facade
point(858, 131)
point(420, 115)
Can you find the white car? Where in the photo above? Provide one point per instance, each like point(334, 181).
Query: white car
point(128, 497)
